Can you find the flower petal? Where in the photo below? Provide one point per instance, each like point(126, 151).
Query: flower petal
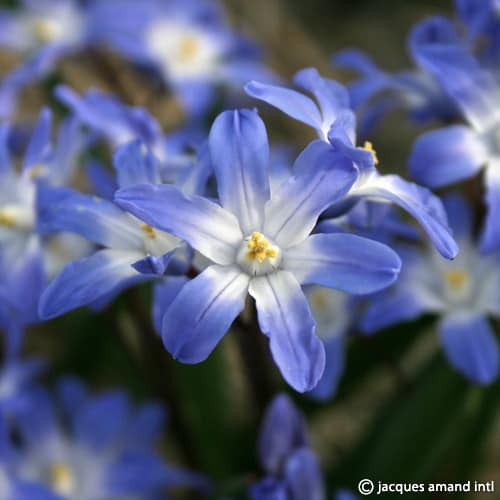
point(390, 308)
point(447, 155)
point(460, 215)
point(342, 136)
point(283, 429)
point(203, 311)
point(39, 144)
point(334, 368)
point(269, 488)
point(419, 202)
point(206, 226)
point(343, 261)
point(470, 346)
point(490, 237)
point(331, 95)
point(294, 209)
point(291, 102)
point(97, 220)
point(285, 317)
point(436, 47)
point(6, 167)
point(164, 294)
point(240, 156)
point(135, 164)
point(303, 476)
point(86, 280)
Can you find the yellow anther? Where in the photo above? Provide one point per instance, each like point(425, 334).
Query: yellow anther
point(47, 30)
point(148, 231)
point(62, 478)
point(260, 249)
point(7, 219)
point(369, 147)
point(456, 278)
point(37, 171)
point(319, 299)
point(189, 47)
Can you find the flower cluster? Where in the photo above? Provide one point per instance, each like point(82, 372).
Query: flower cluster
point(216, 228)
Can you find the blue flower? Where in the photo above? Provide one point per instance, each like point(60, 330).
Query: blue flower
point(260, 245)
point(17, 378)
point(332, 311)
point(376, 91)
point(335, 124)
point(41, 32)
point(110, 118)
point(292, 469)
point(463, 293)
point(132, 250)
point(483, 27)
point(26, 259)
point(458, 152)
point(187, 42)
point(84, 446)
point(335, 312)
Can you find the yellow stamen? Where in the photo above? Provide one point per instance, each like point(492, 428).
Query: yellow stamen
point(188, 48)
point(260, 249)
point(62, 478)
point(456, 278)
point(7, 219)
point(37, 171)
point(47, 30)
point(369, 147)
point(148, 231)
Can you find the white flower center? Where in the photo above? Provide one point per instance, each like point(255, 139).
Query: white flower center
point(62, 478)
point(183, 51)
point(458, 284)
point(329, 308)
point(47, 30)
point(258, 255)
point(157, 242)
point(13, 216)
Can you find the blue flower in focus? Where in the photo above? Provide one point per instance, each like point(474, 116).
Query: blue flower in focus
point(94, 447)
point(336, 313)
point(260, 245)
point(463, 293)
point(132, 251)
point(293, 471)
point(187, 42)
point(457, 152)
point(335, 125)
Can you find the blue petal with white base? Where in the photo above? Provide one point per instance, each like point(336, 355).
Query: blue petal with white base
point(85, 280)
point(203, 224)
point(343, 261)
point(284, 316)
point(203, 311)
point(240, 155)
point(420, 203)
point(447, 155)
